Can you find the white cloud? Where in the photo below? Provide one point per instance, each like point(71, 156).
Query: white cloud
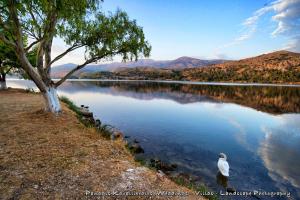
point(286, 15)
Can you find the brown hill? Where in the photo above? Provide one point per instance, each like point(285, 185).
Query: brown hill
point(179, 63)
point(276, 67)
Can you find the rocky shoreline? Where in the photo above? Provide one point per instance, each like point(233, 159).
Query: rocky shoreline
point(46, 156)
point(163, 168)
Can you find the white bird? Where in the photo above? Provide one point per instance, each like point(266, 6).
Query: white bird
point(223, 164)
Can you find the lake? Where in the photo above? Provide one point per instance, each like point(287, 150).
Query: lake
point(257, 127)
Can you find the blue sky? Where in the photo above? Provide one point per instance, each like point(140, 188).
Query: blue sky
point(212, 29)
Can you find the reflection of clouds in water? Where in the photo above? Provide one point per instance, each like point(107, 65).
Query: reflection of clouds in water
point(241, 134)
point(290, 120)
point(217, 106)
point(280, 152)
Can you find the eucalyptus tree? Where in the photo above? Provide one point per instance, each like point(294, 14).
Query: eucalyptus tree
point(80, 24)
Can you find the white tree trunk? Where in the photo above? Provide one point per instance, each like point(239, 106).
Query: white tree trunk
point(3, 85)
point(52, 101)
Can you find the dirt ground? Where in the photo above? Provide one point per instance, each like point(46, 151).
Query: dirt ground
point(43, 156)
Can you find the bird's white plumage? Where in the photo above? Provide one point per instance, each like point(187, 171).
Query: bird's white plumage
point(223, 166)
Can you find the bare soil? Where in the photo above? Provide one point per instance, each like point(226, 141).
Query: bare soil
point(43, 156)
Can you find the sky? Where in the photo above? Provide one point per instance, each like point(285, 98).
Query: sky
point(211, 29)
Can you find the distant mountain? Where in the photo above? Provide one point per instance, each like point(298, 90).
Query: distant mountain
point(276, 67)
point(180, 63)
point(188, 62)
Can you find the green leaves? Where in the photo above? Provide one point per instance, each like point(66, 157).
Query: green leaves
point(115, 34)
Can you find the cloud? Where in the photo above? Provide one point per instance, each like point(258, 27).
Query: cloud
point(286, 14)
point(279, 149)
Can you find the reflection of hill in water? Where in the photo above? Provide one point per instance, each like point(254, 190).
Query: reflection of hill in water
point(275, 100)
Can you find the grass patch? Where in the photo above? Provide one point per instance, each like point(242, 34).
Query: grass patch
point(104, 129)
point(70, 104)
point(142, 161)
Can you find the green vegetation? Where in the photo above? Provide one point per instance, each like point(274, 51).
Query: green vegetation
point(70, 105)
point(104, 129)
point(137, 73)
point(206, 74)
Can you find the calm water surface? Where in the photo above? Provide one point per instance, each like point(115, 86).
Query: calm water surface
point(258, 127)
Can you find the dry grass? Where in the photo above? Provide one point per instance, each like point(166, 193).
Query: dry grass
point(43, 156)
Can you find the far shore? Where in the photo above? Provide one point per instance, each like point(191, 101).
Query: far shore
point(185, 82)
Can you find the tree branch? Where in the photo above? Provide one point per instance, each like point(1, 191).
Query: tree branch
point(35, 21)
point(8, 70)
point(78, 67)
point(72, 48)
point(32, 44)
point(84, 64)
point(7, 41)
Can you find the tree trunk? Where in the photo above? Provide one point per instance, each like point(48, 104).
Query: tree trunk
point(3, 82)
point(51, 100)
point(3, 85)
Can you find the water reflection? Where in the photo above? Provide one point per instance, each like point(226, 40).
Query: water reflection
point(222, 180)
point(257, 127)
point(276, 100)
point(280, 152)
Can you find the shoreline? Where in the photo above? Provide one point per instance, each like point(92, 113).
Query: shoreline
point(179, 82)
point(57, 156)
point(135, 149)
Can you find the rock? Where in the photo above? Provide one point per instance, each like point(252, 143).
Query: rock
point(126, 136)
point(135, 141)
point(116, 135)
point(135, 148)
point(230, 190)
point(129, 170)
point(160, 174)
point(174, 165)
point(86, 113)
point(159, 165)
point(87, 120)
point(97, 123)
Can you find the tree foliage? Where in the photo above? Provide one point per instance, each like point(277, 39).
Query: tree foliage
point(80, 23)
point(9, 61)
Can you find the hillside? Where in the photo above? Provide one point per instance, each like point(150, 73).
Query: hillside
point(179, 63)
point(276, 67)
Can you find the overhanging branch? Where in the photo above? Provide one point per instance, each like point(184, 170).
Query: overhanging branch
point(94, 59)
point(78, 67)
point(72, 48)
